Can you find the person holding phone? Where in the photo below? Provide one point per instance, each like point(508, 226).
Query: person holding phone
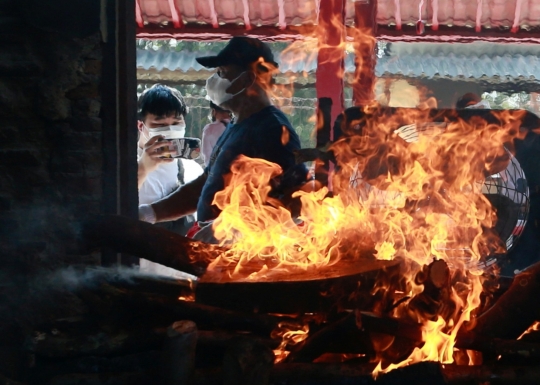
point(162, 112)
point(241, 84)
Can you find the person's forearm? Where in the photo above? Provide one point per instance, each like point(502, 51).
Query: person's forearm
point(181, 202)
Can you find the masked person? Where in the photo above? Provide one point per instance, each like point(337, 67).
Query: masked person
point(212, 131)
point(241, 84)
point(162, 112)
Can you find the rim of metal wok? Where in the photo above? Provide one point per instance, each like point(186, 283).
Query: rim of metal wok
point(340, 269)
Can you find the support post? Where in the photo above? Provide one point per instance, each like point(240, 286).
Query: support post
point(365, 46)
point(119, 101)
point(329, 77)
point(330, 60)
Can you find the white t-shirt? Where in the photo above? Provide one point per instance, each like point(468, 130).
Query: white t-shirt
point(210, 135)
point(164, 180)
point(158, 184)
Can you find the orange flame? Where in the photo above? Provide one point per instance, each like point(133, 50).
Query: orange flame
point(534, 327)
point(407, 188)
point(425, 204)
point(290, 335)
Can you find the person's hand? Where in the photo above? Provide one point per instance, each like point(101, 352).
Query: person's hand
point(155, 153)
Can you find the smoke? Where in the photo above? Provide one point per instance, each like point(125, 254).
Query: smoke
point(27, 301)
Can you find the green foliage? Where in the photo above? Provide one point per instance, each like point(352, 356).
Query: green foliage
point(505, 101)
point(172, 45)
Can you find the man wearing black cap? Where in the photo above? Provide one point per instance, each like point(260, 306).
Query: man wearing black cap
point(241, 85)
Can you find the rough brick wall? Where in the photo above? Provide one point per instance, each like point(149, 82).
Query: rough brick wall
point(51, 157)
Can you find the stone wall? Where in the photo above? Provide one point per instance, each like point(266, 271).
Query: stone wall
point(51, 161)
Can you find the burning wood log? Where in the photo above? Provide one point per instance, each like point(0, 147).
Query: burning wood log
point(386, 325)
point(496, 346)
point(435, 299)
point(341, 336)
point(515, 310)
point(352, 335)
point(144, 240)
point(178, 360)
point(247, 362)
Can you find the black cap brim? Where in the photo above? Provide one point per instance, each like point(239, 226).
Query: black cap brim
point(210, 61)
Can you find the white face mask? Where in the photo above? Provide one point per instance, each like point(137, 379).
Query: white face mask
point(216, 87)
point(169, 132)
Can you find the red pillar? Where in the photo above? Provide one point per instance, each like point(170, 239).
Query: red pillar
point(330, 60)
point(365, 46)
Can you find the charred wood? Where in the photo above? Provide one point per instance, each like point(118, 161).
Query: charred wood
point(515, 310)
point(493, 374)
point(434, 301)
point(496, 346)
point(173, 287)
point(178, 360)
point(341, 336)
point(143, 240)
point(247, 362)
point(386, 325)
point(207, 317)
point(352, 335)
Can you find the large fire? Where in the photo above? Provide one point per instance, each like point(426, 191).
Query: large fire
point(419, 201)
point(404, 188)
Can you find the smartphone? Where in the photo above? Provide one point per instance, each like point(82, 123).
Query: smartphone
point(186, 148)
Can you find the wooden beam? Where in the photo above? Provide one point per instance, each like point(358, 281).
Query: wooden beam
point(206, 32)
point(403, 33)
point(445, 34)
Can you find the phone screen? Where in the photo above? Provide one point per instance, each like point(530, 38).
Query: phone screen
point(185, 148)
